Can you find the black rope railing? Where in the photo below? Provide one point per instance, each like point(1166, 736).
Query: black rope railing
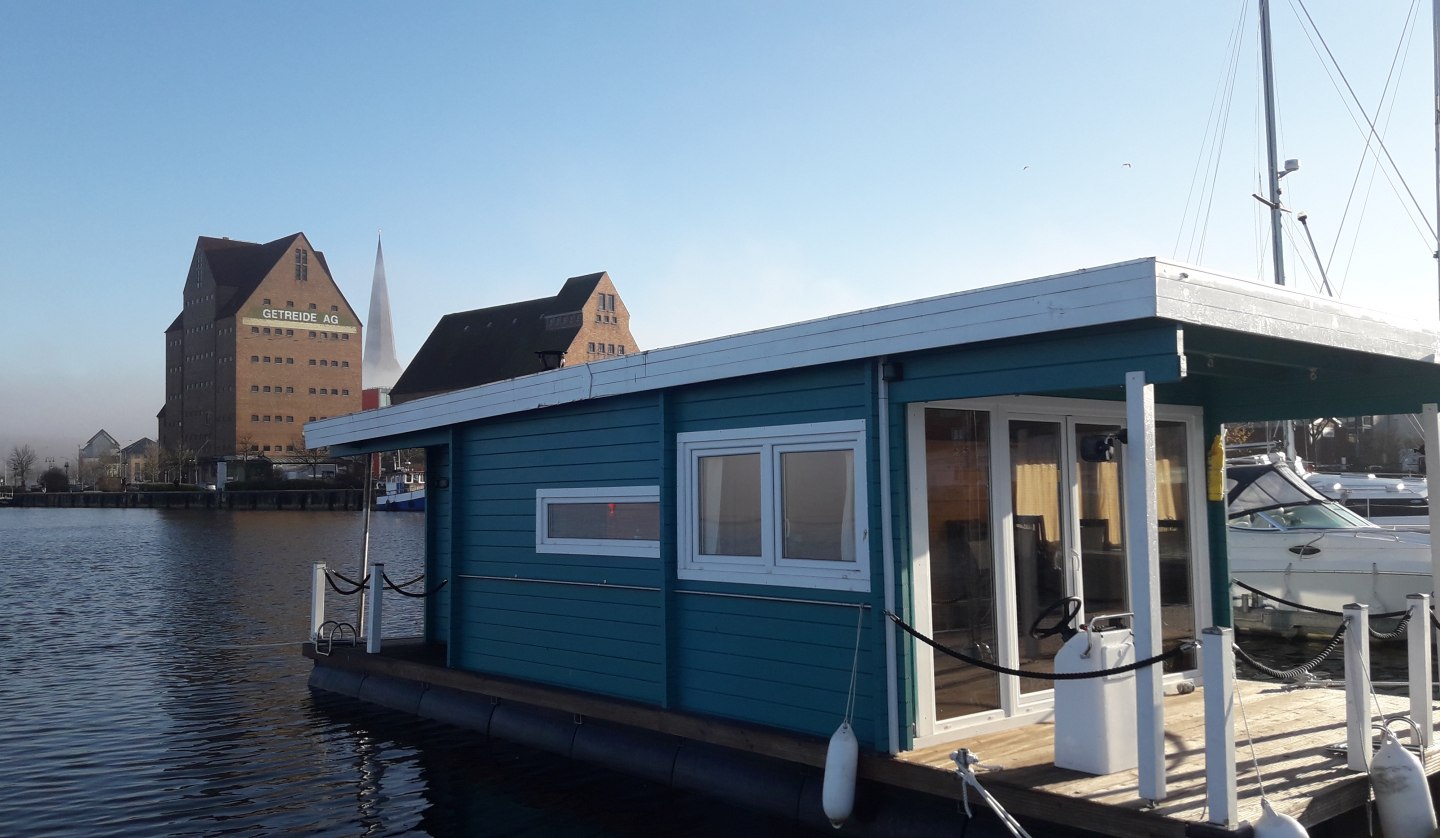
point(400, 589)
point(1046, 676)
point(1311, 608)
point(356, 587)
point(1395, 633)
point(1295, 674)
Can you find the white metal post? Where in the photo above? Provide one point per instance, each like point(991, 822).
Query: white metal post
point(1217, 660)
point(1418, 643)
point(1142, 549)
point(372, 614)
point(1432, 446)
point(317, 600)
point(1357, 686)
point(360, 618)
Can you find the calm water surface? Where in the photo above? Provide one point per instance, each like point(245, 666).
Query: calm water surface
point(151, 684)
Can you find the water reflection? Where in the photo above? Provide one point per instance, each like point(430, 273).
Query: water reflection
point(152, 684)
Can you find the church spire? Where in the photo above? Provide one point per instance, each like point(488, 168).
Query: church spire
point(380, 368)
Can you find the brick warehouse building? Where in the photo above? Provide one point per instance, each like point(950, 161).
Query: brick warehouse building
point(586, 321)
point(265, 343)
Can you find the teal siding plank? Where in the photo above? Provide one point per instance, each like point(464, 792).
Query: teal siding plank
point(603, 683)
point(758, 711)
point(816, 677)
point(595, 653)
point(438, 523)
point(791, 695)
point(1061, 361)
point(590, 628)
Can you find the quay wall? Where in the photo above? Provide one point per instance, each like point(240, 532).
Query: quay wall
point(297, 499)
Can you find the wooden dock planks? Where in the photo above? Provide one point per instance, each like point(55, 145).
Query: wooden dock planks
point(1290, 731)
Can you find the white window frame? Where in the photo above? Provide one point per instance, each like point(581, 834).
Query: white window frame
point(545, 498)
point(769, 568)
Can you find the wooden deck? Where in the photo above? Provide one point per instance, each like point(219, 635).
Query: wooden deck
point(1291, 733)
point(1291, 730)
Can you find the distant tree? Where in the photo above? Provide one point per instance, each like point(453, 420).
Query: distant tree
point(312, 457)
point(20, 461)
point(243, 443)
point(55, 480)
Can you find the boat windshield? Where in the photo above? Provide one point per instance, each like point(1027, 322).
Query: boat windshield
point(1272, 496)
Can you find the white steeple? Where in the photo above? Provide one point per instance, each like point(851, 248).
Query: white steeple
point(379, 368)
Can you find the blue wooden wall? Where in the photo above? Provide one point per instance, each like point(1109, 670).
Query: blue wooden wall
point(587, 622)
point(742, 650)
point(627, 627)
point(437, 542)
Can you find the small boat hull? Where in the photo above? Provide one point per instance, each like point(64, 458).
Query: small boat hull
point(402, 502)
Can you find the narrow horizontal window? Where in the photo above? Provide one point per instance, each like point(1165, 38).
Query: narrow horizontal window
point(598, 521)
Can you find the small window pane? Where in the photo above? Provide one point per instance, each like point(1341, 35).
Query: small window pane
point(730, 505)
point(619, 521)
point(818, 505)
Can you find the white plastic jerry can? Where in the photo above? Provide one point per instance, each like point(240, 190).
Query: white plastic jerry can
point(1095, 717)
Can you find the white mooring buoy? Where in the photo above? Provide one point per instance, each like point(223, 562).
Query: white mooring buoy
point(1272, 824)
point(838, 794)
point(1401, 792)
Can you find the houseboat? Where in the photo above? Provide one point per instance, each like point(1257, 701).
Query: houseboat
point(705, 541)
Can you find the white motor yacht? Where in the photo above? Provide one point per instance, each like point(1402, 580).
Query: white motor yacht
point(1291, 542)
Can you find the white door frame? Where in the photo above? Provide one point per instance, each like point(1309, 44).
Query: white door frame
point(1017, 708)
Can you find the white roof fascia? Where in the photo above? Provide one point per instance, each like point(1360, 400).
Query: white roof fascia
point(1116, 293)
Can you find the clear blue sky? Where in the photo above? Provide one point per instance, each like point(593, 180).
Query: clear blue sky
point(807, 158)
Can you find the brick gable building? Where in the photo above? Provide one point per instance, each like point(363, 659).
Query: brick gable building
point(264, 343)
point(586, 321)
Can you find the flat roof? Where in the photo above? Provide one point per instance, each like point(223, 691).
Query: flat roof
point(1123, 292)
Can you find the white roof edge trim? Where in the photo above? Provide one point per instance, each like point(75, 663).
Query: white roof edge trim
point(1120, 292)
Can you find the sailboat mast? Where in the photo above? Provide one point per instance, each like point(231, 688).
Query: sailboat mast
point(1435, 59)
point(1276, 243)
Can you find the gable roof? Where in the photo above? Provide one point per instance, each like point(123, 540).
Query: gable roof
point(140, 446)
point(103, 436)
point(1139, 290)
point(243, 265)
point(470, 348)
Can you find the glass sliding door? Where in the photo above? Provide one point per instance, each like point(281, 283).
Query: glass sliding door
point(1037, 491)
point(1008, 519)
point(962, 563)
point(1100, 502)
point(1172, 500)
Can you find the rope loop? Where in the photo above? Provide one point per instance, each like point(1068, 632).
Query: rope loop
point(1044, 676)
point(1388, 615)
point(400, 589)
point(356, 587)
point(1296, 674)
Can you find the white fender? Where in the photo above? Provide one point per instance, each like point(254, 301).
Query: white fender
point(1272, 824)
point(838, 796)
point(1401, 792)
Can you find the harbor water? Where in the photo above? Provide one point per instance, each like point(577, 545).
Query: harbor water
point(151, 684)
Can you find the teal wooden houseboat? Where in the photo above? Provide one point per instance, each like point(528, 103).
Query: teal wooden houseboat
point(705, 529)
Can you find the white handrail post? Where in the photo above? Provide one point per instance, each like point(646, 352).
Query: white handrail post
point(1217, 659)
point(1418, 647)
point(317, 600)
point(372, 614)
point(1142, 552)
point(1357, 686)
point(1430, 423)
